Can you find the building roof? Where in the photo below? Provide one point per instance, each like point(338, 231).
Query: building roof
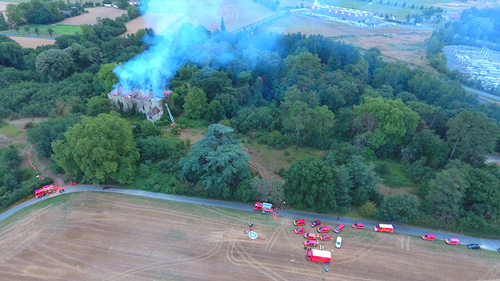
point(340, 12)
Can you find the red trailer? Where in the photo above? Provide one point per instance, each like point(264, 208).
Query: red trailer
point(319, 256)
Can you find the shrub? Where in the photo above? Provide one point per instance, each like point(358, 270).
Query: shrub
point(368, 210)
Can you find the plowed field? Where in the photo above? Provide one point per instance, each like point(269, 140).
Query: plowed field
point(97, 236)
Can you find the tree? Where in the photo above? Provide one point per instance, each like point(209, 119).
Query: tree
point(16, 28)
point(401, 208)
point(54, 64)
point(106, 78)
point(195, 104)
point(298, 115)
point(363, 182)
point(47, 132)
point(98, 105)
point(99, 150)
point(446, 193)
point(215, 112)
point(50, 31)
point(27, 29)
point(380, 120)
point(122, 4)
point(11, 54)
point(216, 161)
point(222, 25)
point(310, 183)
point(37, 31)
point(474, 136)
point(15, 14)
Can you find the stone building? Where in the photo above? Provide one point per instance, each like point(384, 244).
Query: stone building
point(146, 103)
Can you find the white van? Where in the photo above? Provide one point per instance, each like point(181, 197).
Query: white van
point(338, 244)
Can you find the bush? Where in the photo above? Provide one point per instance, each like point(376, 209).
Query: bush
point(382, 169)
point(286, 153)
point(368, 210)
point(282, 172)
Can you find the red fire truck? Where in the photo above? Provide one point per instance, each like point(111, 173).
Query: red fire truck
point(319, 256)
point(263, 207)
point(48, 189)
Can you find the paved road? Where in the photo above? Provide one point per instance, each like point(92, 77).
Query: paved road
point(485, 243)
point(482, 93)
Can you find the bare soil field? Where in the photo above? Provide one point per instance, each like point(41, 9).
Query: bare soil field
point(32, 42)
point(99, 236)
point(93, 14)
point(157, 21)
point(407, 45)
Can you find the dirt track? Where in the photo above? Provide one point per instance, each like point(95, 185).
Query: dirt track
point(95, 236)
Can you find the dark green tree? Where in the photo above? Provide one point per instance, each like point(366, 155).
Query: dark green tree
point(99, 149)
point(401, 208)
point(98, 105)
point(37, 31)
point(473, 136)
point(311, 184)
point(54, 64)
point(195, 104)
point(50, 31)
point(217, 161)
point(47, 132)
point(446, 193)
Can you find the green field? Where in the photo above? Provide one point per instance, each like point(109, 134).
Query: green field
point(59, 29)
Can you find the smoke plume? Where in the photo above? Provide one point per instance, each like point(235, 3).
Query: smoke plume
point(174, 45)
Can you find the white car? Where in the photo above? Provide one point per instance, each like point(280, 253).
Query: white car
point(338, 243)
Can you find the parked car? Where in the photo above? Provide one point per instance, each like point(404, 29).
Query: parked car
point(429, 237)
point(311, 236)
point(300, 230)
point(358, 225)
point(315, 223)
point(339, 228)
point(338, 243)
point(325, 237)
point(452, 241)
point(474, 246)
point(310, 243)
point(324, 229)
point(299, 222)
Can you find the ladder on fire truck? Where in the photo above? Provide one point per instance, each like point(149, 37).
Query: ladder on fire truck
point(167, 94)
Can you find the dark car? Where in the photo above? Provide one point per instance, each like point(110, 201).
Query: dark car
point(474, 246)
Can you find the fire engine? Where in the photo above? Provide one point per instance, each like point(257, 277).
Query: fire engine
point(48, 189)
point(263, 207)
point(319, 256)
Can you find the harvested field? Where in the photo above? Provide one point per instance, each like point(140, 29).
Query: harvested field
point(99, 236)
point(408, 45)
point(93, 14)
point(32, 42)
point(157, 21)
point(236, 14)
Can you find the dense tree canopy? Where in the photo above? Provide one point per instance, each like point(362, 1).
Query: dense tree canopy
point(217, 161)
point(98, 149)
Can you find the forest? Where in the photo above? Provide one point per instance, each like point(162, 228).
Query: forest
point(283, 91)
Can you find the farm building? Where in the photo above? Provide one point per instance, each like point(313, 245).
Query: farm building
point(342, 14)
point(145, 103)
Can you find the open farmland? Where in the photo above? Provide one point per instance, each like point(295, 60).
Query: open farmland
point(408, 45)
point(31, 42)
point(236, 14)
point(99, 236)
point(93, 14)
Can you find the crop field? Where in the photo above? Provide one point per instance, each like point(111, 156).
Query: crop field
point(407, 45)
point(59, 29)
point(101, 236)
point(93, 14)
